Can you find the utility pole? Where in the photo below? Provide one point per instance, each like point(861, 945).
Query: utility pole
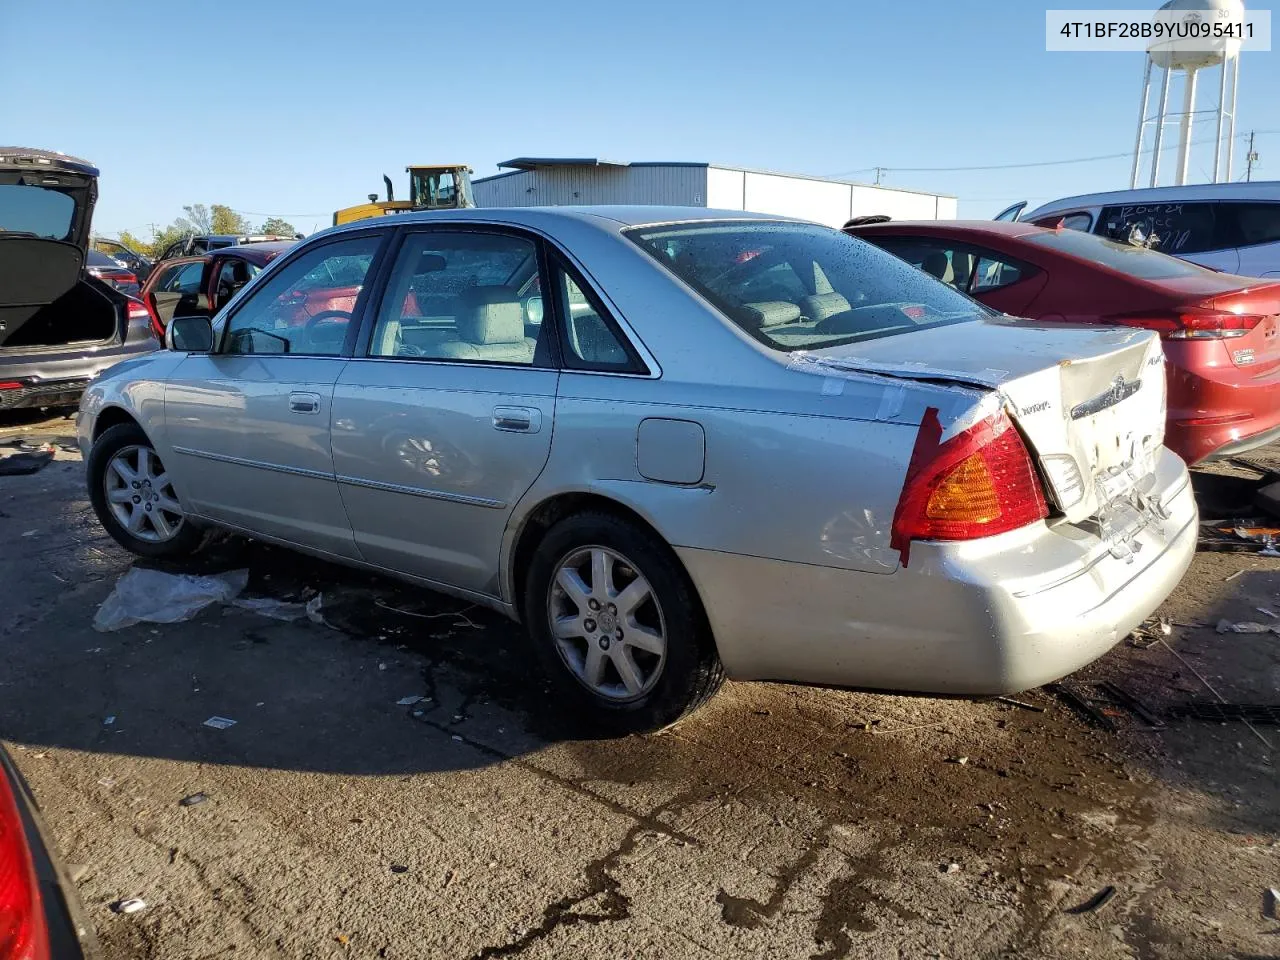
point(1251, 159)
point(879, 172)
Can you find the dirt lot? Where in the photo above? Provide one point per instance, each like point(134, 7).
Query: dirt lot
point(779, 821)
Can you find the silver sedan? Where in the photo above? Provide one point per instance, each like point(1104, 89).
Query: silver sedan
point(676, 444)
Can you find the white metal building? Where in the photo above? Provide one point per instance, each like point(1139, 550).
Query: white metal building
point(558, 181)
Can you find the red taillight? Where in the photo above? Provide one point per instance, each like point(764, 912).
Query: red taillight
point(978, 483)
point(124, 276)
point(23, 935)
point(1193, 323)
point(10, 385)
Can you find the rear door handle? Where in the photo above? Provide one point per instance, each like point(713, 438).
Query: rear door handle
point(304, 402)
point(517, 419)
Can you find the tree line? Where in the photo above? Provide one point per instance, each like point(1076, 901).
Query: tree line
point(198, 219)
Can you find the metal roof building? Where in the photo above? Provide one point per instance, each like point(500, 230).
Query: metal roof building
point(558, 181)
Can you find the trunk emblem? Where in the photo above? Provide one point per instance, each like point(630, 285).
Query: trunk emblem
point(1243, 356)
point(1118, 391)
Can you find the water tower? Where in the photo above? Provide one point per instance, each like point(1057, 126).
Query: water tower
point(1188, 57)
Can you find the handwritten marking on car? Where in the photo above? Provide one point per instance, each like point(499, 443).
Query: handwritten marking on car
point(1034, 408)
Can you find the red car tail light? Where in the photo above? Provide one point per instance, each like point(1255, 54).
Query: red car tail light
point(979, 483)
point(10, 385)
point(23, 935)
point(1193, 323)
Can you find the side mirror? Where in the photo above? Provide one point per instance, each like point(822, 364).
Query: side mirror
point(189, 335)
point(533, 311)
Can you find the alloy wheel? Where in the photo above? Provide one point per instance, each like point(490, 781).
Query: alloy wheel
point(140, 495)
point(607, 624)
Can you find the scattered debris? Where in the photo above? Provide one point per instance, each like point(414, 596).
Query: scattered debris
point(1247, 626)
point(1097, 901)
point(108, 721)
point(1131, 703)
point(1216, 712)
point(458, 614)
point(159, 597)
point(1149, 631)
point(107, 782)
point(950, 868)
point(409, 701)
point(270, 607)
point(313, 610)
point(1268, 613)
point(193, 799)
point(219, 723)
point(1217, 696)
point(458, 738)
point(1232, 576)
point(960, 760)
point(399, 868)
point(23, 464)
point(1082, 705)
point(1019, 703)
point(131, 905)
point(1271, 903)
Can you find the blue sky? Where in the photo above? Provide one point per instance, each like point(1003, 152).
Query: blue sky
point(297, 107)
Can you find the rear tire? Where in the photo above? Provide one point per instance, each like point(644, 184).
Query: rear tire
point(134, 498)
point(617, 625)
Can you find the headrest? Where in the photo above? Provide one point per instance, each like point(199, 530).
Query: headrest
point(774, 313)
point(430, 263)
point(935, 262)
point(490, 315)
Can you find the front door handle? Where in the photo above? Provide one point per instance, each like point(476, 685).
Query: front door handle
point(300, 402)
point(517, 419)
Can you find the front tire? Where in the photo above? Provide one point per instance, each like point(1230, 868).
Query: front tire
point(134, 498)
point(617, 624)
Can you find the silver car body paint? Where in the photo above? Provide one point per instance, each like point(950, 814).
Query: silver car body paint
point(784, 532)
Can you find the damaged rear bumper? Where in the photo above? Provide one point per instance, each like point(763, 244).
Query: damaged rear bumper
point(983, 617)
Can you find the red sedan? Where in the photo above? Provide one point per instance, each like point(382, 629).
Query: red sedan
point(1221, 332)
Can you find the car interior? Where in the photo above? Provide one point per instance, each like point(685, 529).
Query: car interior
point(795, 301)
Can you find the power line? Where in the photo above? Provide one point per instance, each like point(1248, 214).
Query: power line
point(878, 170)
point(300, 216)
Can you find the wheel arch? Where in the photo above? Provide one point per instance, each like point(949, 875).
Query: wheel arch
point(113, 416)
point(540, 518)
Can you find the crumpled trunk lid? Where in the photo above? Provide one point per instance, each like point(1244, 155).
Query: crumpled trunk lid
point(1090, 401)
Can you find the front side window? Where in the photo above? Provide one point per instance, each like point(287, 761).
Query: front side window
point(35, 211)
point(463, 296)
point(305, 307)
point(876, 294)
point(184, 278)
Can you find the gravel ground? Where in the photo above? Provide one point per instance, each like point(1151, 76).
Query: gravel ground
point(779, 821)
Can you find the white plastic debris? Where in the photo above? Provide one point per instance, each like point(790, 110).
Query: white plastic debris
point(131, 905)
point(269, 607)
point(313, 609)
point(158, 597)
point(409, 701)
point(219, 723)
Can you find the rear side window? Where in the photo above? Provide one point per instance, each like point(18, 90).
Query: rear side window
point(1248, 224)
point(184, 278)
point(36, 211)
point(1125, 258)
point(968, 268)
point(1177, 228)
point(797, 286)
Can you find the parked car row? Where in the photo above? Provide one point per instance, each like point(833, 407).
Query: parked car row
point(1220, 331)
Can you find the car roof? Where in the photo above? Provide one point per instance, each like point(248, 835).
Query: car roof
point(616, 216)
point(956, 228)
point(260, 252)
point(48, 159)
point(1255, 190)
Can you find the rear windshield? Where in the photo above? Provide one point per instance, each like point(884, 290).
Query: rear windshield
point(797, 286)
point(35, 211)
point(1129, 260)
